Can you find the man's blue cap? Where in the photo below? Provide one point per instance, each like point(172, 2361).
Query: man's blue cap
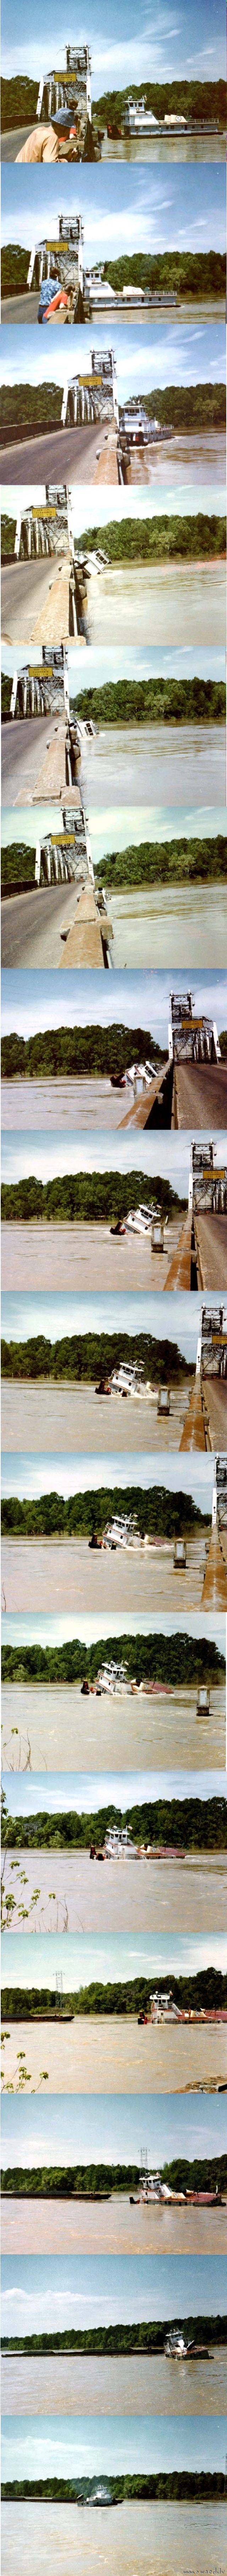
point(63, 119)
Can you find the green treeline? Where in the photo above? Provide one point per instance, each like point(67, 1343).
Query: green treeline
point(201, 101)
point(82, 1356)
point(170, 1661)
point(206, 1991)
point(147, 2336)
point(205, 2486)
point(170, 271)
point(85, 1198)
point(78, 1052)
point(198, 1823)
point(179, 862)
point(157, 540)
point(159, 1513)
point(8, 533)
point(153, 702)
point(14, 269)
point(18, 102)
point(88, 2182)
point(163, 862)
point(187, 407)
point(32, 406)
point(6, 693)
point(18, 865)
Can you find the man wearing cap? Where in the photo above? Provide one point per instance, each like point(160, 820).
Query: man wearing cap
point(55, 142)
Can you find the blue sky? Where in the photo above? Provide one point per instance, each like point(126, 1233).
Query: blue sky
point(86, 1792)
point(173, 357)
point(134, 503)
point(57, 1315)
point(85, 1958)
point(54, 1631)
point(62, 2445)
point(115, 828)
point(182, 208)
point(25, 1474)
point(48, 1156)
point(136, 662)
point(31, 1003)
point(160, 46)
point(34, 2131)
point(50, 2292)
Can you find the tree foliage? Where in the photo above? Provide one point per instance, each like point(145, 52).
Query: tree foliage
point(190, 537)
point(78, 1052)
point(99, 2181)
point(165, 863)
point(175, 702)
point(159, 1512)
point(205, 1991)
point(83, 1356)
point(85, 1198)
point(168, 1661)
point(198, 1824)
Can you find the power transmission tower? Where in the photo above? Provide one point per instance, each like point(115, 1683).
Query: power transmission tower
point(58, 1990)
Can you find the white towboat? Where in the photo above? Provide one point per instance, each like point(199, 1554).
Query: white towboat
point(126, 1380)
point(139, 1220)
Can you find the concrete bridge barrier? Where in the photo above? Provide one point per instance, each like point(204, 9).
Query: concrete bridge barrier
point(193, 1434)
point(141, 1112)
point(179, 1274)
point(214, 1592)
point(88, 937)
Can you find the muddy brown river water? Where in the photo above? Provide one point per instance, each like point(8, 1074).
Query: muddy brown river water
point(77, 1419)
point(86, 2384)
point(159, 601)
point(133, 1733)
point(199, 459)
point(71, 1104)
point(127, 2540)
point(69, 1256)
point(104, 2055)
point(63, 1574)
point(150, 926)
point(118, 1896)
point(109, 2227)
point(162, 764)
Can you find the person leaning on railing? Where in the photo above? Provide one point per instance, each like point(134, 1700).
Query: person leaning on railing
point(59, 141)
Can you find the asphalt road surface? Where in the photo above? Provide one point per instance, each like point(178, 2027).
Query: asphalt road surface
point(211, 1246)
point(72, 453)
point(11, 142)
point(200, 1096)
point(31, 925)
point(215, 1412)
point(24, 748)
point(25, 590)
point(20, 308)
point(24, 308)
